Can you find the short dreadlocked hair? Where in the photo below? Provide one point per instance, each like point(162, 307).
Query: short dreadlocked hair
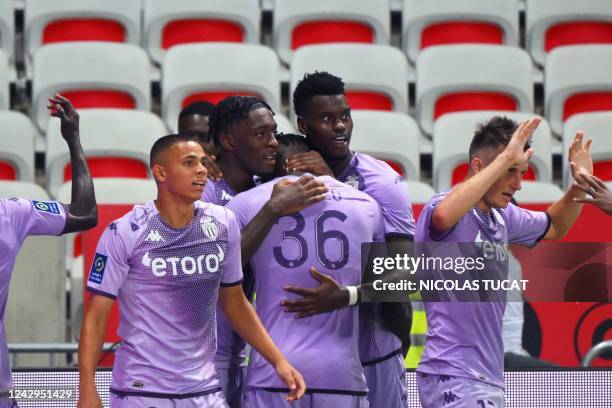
point(493, 133)
point(315, 84)
point(202, 108)
point(231, 110)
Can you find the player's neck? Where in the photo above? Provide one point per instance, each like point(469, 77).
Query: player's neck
point(338, 166)
point(234, 174)
point(482, 206)
point(174, 210)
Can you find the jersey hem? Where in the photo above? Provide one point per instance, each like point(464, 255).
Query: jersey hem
point(101, 292)
point(121, 393)
point(381, 359)
point(316, 391)
point(228, 285)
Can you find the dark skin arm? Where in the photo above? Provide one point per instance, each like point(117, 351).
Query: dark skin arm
point(214, 171)
point(287, 198)
point(598, 190)
point(81, 213)
point(311, 162)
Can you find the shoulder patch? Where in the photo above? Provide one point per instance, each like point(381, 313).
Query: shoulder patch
point(96, 274)
point(46, 206)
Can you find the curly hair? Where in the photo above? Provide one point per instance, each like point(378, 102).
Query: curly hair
point(315, 84)
point(231, 110)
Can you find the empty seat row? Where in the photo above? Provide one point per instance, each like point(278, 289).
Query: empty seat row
point(550, 23)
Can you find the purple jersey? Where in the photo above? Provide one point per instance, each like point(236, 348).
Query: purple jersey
point(377, 179)
point(231, 349)
point(18, 219)
point(167, 283)
point(328, 236)
point(464, 338)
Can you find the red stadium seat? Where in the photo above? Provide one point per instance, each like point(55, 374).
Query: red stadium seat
point(461, 32)
point(461, 172)
point(112, 167)
point(106, 214)
point(7, 171)
point(603, 170)
point(331, 31)
point(98, 98)
point(213, 97)
point(200, 30)
point(83, 29)
point(368, 100)
point(578, 32)
point(587, 102)
point(471, 101)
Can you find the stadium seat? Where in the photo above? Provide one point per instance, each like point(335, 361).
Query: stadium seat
point(443, 22)
point(4, 82)
point(453, 78)
point(116, 142)
point(596, 126)
point(115, 197)
point(420, 194)
point(535, 193)
point(375, 76)
point(17, 147)
point(7, 29)
point(170, 23)
point(298, 23)
point(557, 23)
point(390, 136)
point(451, 140)
point(284, 124)
point(22, 189)
point(211, 72)
point(99, 75)
point(48, 22)
point(577, 79)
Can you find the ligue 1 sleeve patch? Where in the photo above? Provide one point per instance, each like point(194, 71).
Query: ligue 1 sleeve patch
point(97, 268)
point(46, 206)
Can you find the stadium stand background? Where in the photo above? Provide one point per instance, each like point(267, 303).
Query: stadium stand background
point(409, 63)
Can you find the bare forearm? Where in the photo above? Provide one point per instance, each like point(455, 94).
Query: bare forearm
point(467, 194)
point(256, 231)
point(564, 213)
point(90, 344)
point(83, 213)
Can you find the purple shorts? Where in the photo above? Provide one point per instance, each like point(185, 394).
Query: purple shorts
point(258, 398)
point(214, 400)
point(387, 383)
point(457, 392)
point(232, 382)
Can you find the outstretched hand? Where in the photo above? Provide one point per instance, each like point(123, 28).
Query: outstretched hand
point(289, 197)
point(62, 108)
point(580, 158)
point(515, 150)
point(597, 189)
point(327, 297)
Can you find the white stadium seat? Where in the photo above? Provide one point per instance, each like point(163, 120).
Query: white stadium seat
point(17, 145)
point(212, 71)
point(427, 23)
point(388, 136)
point(556, 23)
point(283, 123)
point(7, 29)
point(535, 192)
point(454, 132)
point(577, 79)
point(55, 21)
point(4, 82)
point(298, 23)
point(453, 78)
point(22, 189)
point(170, 23)
point(109, 135)
point(375, 76)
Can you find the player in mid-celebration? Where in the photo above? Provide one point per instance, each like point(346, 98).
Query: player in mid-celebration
point(462, 365)
point(243, 129)
point(168, 262)
point(328, 236)
point(324, 117)
point(20, 218)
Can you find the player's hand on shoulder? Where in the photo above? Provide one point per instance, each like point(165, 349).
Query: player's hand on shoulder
point(327, 297)
point(62, 108)
point(580, 158)
point(214, 171)
point(311, 162)
point(515, 150)
point(601, 195)
point(289, 197)
point(292, 378)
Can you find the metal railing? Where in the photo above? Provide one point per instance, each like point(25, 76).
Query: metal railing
point(15, 349)
point(595, 351)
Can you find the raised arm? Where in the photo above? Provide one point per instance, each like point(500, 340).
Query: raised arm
point(246, 323)
point(564, 212)
point(287, 197)
point(82, 213)
point(600, 193)
point(90, 344)
point(467, 194)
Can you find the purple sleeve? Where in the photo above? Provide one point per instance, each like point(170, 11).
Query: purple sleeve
point(208, 195)
point(239, 206)
point(526, 226)
point(396, 208)
point(425, 226)
point(232, 268)
point(109, 268)
point(36, 217)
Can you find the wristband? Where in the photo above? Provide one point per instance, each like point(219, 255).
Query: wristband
point(353, 295)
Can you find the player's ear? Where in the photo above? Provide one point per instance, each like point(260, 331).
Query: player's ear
point(476, 165)
point(158, 173)
point(227, 142)
point(301, 125)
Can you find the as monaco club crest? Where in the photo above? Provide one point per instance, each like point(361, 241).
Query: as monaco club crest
point(209, 228)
